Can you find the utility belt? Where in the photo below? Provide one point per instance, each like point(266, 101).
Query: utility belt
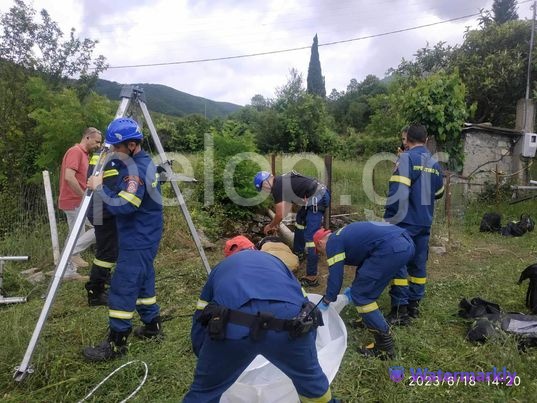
point(216, 317)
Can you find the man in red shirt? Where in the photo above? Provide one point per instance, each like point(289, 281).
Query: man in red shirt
point(73, 178)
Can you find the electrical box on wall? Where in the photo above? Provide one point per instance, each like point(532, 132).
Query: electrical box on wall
point(529, 144)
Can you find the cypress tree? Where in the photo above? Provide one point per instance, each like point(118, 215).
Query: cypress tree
point(315, 76)
point(504, 10)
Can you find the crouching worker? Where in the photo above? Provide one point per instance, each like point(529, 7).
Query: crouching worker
point(378, 250)
point(250, 305)
point(137, 205)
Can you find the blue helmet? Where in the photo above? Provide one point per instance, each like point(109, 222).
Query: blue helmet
point(259, 178)
point(123, 129)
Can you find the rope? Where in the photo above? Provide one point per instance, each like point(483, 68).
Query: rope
point(111, 374)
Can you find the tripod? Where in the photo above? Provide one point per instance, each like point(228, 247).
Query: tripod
point(132, 100)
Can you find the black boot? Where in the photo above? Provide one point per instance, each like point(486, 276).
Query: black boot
point(414, 309)
point(97, 297)
point(97, 294)
point(381, 348)
point(114, 347)
point(151, 330)
point(358, 323)
point(398, 316)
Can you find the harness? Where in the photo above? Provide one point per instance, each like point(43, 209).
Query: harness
point(313, 201)
point(216, 317)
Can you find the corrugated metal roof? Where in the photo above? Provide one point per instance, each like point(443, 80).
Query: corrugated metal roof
point(487, 128)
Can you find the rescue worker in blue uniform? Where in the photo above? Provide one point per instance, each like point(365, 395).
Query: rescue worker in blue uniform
point(415, 184)
point(313, 198)
point(378, 250)
point(104, 224)
point(247, 308)
point(137, 205)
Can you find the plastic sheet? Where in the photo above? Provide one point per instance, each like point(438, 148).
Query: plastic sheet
point(263, 382)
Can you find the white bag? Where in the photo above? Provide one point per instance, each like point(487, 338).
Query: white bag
point(263, 382)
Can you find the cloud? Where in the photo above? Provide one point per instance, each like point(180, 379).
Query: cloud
point(163, 31)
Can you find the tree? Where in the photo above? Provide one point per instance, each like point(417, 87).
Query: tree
point(189, 133)
point(39, 46)
point(492, 63)
point(315, 77)
point(439, 102)
point(30, 48)
point(502, 12)
point(426, 61)
point(259, 102)
point(351, 110)
point(60, 118)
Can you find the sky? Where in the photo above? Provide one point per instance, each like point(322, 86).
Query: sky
point(141, 32)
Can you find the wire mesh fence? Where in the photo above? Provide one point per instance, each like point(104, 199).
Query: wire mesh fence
point(24, 228)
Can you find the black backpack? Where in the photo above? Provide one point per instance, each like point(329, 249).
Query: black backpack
point(491, 222)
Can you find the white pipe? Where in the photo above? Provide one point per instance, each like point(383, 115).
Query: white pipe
point(287, 235)
point(51, 218)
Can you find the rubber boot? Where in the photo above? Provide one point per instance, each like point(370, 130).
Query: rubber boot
point(414, 309)
point(398, 316)
point(382, 348)
point(151, 330)
point(115, 346)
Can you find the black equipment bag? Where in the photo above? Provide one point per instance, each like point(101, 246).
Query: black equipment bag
point(519, 228)
point(491, 222)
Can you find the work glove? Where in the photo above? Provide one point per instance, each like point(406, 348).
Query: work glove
point(347, 293)
point(323, 306)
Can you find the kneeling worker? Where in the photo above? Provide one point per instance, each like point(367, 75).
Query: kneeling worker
point(249, 306)
point(378, 250)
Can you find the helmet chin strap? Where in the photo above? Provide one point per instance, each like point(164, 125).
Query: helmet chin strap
point(131, 152)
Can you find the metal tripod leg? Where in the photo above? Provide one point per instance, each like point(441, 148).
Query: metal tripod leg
point(130, 97)
point(24, 368)
point(9, 300)
point(175, 187)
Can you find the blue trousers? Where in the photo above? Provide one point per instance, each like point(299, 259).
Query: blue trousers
point(133, 289)
point(374, 276)
point(308, 220)
point(221, 362)
point(409, 282)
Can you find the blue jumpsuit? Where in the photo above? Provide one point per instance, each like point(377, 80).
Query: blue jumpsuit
point(414, 186)
point(137, 205)
point(378, 250)
point(254, 281)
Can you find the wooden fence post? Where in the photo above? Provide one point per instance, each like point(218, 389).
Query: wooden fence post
point(328, 211)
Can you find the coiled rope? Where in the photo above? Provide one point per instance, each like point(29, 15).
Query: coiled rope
point(112, 373)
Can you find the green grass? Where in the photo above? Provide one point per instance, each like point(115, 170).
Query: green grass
point(485, 265)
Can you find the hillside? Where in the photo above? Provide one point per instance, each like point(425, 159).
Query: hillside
point(170, 101)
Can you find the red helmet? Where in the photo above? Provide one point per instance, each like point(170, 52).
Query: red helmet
point(320, 234)
point(236, 244)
